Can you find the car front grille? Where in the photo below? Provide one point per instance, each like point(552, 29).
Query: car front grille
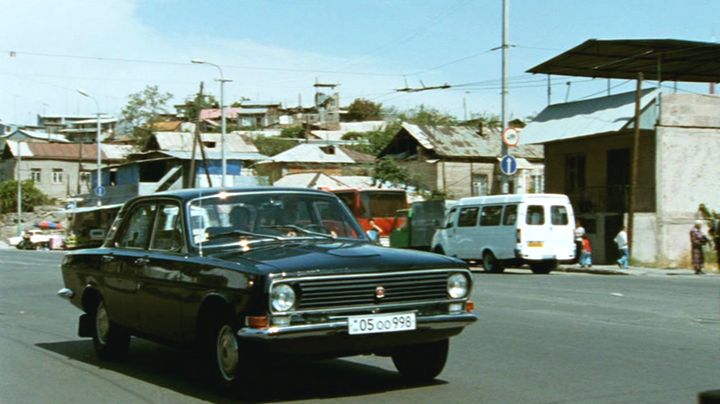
point(377, 289)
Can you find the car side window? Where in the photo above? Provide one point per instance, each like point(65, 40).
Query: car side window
point(510, 215)
point(490, 215)
point(137, 232)
point(468, 216)
point(450, 219)
point(535, 215)
point(168, 233)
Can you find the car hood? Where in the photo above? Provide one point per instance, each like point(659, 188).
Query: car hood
point(338, 257)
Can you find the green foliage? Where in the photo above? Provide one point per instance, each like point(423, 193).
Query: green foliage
point(353, 136)
point(364, 110)
point(387, 170)
point(142, 110)
point(423, 115)
point(293, 132)
point(377, 140)
point(192, 107)
point(31, 196)
point(271, 146)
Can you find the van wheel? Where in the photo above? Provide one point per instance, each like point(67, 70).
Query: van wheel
point(543, 267)
point(491, 264)
point(439, 250)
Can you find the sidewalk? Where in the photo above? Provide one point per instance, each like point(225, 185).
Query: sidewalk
point(633, 270)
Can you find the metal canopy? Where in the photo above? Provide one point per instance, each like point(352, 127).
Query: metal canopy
point(672, 60)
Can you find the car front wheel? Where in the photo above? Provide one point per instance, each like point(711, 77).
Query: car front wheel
point(111, 341)
point(422, 362)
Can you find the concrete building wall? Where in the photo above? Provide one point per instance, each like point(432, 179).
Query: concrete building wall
point(688, 140)
point(55, 189)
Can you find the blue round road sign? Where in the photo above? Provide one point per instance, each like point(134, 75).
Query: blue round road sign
point(100, 191)
point(508, 165)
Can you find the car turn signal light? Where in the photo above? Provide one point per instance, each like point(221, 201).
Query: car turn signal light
point(257, 321)
point(469, 306)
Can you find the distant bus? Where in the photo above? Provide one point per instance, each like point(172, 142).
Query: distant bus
point(374, 203)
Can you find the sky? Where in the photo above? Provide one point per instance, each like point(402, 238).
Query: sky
point(276, 50)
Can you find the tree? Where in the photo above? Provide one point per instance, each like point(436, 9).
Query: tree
point(428, 116)
point(387, 170)
point(271, 146)
point(142, 110)
point(193, 106)
point(31, 196)
point(364, 110)
point(375, 141)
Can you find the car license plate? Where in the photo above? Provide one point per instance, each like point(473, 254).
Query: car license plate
point(535, 243)
point(377, 323)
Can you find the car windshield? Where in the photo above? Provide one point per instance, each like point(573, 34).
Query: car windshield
point(226, 218)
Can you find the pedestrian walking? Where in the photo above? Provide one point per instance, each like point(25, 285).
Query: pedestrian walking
point(579, 233)
point(715, 234)
point(586, 256)
point(697, 242)
point(621, 239)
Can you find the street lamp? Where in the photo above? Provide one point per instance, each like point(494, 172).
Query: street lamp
point(98, 189)
point(222, 81)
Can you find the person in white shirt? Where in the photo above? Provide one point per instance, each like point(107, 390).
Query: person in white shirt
point(621, 239)
point(579, 233)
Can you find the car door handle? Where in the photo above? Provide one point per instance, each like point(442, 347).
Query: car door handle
point(107, 258)
point(141, 261)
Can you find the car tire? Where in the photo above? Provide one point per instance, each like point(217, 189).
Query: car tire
point(221, 351)
point(422, 362)
point(439, 250)
point(111, 341)
point(491, 264)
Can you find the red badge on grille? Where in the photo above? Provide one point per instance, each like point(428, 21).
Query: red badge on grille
point(379, 292)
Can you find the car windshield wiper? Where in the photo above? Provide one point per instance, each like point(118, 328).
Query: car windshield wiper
point(300, 229)
point(236, 232)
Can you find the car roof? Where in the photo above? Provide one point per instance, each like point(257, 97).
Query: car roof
point(187, 194)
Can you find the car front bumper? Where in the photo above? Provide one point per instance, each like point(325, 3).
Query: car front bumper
point(340, 327)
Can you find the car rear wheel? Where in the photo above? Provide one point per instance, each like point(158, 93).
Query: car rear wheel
point(490, 263)
point(422, 362)
point(111, 342)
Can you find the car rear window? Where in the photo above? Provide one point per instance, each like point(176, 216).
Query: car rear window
point(559, 214)
point(535, 215)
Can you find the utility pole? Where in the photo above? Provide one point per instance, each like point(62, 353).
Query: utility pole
point(505, 45)
point(19, 191)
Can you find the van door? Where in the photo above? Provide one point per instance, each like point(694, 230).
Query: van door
point(508, 232)
point(534, 231)
point(466, 235)
point(490, 234)
point(561, 235)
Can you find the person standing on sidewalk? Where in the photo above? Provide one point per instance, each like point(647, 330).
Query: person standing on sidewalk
point(586, 257)
point(697, 242)
point(621, 239)
point(579, 233)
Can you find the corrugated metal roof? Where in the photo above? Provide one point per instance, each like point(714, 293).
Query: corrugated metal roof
point(117, 151)
point(465, 142)
point(64, 151)
point(321, 180)
point(311, 153)
point(588, 117)
point(182, 141)
point(35, 135)
point(215, 155)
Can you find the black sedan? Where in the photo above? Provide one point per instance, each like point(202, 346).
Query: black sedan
point(241, 272)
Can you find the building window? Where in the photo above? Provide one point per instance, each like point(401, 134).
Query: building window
point(57, 176)
point(479, 184)
point(35, 175)
point(574, 173)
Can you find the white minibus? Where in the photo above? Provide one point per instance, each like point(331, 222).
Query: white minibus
point(509, 230)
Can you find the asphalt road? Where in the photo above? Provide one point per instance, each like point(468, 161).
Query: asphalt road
point(561, 338)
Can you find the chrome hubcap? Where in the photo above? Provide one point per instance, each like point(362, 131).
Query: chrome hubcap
point(102, 323)
point(227, 352)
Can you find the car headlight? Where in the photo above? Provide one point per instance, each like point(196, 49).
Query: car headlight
point(282, 297)
point(457, 286)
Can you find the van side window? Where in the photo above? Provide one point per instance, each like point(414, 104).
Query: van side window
point(491, 215)
point(468, 217)
point(510, 215)
point(558, 214)
point(450, 219)
point(535, 215)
